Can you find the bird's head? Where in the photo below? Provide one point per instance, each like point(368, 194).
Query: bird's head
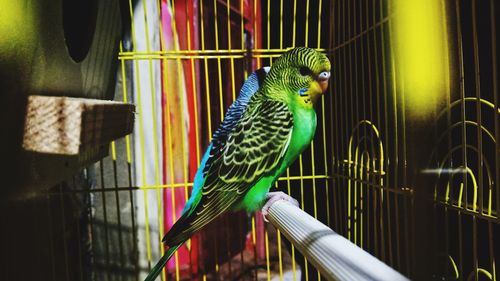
point(299, 76)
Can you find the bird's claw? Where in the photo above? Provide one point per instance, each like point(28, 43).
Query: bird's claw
point(273, 197)
point(264, 214)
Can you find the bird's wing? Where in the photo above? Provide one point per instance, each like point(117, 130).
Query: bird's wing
point(236, 110)
point(231, 118)
point(253, 148)
point(233, 115)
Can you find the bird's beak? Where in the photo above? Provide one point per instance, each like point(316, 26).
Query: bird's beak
point(323, 78)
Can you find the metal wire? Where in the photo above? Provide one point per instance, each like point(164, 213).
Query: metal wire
point(366, 164)
point(367, 86)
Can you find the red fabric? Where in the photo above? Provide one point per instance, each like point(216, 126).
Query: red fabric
point(173, 95)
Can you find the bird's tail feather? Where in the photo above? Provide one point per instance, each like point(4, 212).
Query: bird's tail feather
point(156, 270)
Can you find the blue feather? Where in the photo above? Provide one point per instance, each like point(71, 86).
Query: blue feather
point(236, 110)
point(199, 179)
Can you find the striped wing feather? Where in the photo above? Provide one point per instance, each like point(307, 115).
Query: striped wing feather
point(252, 149)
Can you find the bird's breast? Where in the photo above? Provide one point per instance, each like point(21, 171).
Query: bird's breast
point(304, 128)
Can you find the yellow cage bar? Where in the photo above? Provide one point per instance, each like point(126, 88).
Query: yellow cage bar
point(405, 162)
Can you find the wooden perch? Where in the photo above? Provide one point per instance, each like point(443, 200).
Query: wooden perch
point(334, 256)
point(68, 126)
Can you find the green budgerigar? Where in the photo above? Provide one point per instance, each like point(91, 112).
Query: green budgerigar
point(264, 131)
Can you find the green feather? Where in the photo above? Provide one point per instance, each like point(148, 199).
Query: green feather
point(304, 128)
point(156, 270)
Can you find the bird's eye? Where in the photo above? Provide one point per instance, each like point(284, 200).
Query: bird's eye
point(304, 71)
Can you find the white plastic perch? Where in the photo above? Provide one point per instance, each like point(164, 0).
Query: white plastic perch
point(333, 255)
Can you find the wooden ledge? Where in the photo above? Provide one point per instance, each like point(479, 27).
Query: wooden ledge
point(68, 126)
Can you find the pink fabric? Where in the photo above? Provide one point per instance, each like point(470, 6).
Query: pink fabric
point(174, 97)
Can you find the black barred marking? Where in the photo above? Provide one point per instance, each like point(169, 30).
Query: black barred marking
point(182, 230)
point(235, 161)
point(263, 133)
point(293, 71)
point(251, 140)
point(235, 111)
point(271, 124)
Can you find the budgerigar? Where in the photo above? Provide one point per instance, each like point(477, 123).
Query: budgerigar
point(264, 131)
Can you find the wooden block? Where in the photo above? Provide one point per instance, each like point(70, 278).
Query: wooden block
point(67, 126)
point(42, 171)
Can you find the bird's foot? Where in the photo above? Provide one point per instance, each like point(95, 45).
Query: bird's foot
point(276, 196)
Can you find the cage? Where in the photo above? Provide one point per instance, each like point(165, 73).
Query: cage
point(405, 161)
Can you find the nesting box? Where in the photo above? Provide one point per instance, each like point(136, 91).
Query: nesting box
point(51, 53)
